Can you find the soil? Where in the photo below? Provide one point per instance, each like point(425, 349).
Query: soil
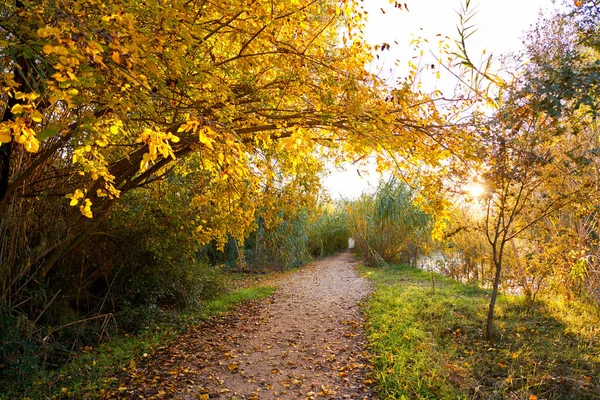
point(304, 342)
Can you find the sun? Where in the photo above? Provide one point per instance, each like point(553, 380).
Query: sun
point(474, 189)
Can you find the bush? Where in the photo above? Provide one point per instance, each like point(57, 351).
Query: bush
point(18, 355)
point(143, 264)
point(162, 264)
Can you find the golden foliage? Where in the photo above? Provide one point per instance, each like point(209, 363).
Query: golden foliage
point(260, 92)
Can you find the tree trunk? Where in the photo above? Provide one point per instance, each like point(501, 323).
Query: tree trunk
point(489, 331)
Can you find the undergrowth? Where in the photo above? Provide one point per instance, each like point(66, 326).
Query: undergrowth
point(429, 343)
point(93, 370)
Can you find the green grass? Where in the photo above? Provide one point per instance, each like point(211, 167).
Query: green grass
point(93, 371)
point(429, 345)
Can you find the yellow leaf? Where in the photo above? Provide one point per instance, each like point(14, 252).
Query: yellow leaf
point(59, 77)
point(233, 367)
point(47, 31)
point(116, 57)
point(36, 116)
point(5, 133)
point(204, 139)
point(85, 209)
point(47, 49)
point(17, 109)
point(145, 161)
point(60, 50)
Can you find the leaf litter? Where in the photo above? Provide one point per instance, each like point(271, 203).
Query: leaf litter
point(305, 342)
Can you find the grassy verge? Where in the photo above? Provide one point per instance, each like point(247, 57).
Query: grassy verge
point(92, 371)
point(431, 345)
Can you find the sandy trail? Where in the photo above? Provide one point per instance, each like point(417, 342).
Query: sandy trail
point(305, 342)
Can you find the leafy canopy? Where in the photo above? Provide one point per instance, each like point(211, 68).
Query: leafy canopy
point(109, 95)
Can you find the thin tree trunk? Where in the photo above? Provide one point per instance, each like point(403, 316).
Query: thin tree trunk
point(489, 332)
point(241, 258)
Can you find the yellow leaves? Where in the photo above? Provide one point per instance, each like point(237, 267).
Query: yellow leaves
point(578, 3)
point(206, 135)
point(58, 50)
point(158, 144)
point(188, 126)
point(94, 165)
point(9, 81)
point(20, 127)
point(325, 391)
point(75, 197)
point(48, 31)
point(26, 96)
point(5, 133)
point(85, 207)
point(155, 54)
point(28, 139)
point(60, 78)
point(25, 136)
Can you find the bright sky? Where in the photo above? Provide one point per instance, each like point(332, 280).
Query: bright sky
point(500, 26)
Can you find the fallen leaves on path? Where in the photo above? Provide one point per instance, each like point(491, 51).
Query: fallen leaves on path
point(305, 342)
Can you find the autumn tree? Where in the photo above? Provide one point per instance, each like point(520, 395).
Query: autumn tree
point(563, 76)
point(100, 98)
point(531, 156)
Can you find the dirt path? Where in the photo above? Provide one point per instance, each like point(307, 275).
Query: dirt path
point(305, 342)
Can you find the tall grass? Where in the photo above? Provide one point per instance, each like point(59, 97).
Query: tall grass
point(388, 226)
point(329, 232)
